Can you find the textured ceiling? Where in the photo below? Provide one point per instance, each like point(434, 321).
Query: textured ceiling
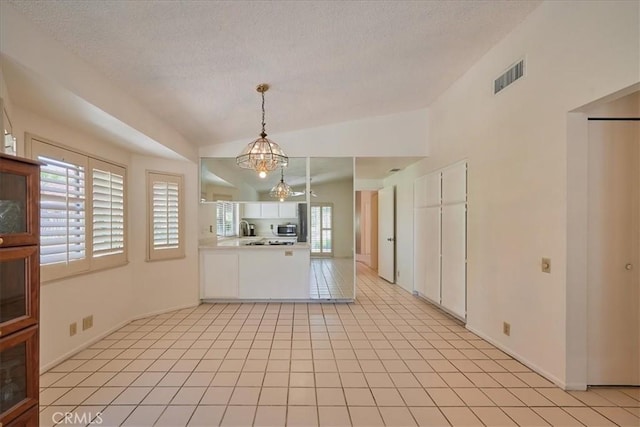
point(195, 64)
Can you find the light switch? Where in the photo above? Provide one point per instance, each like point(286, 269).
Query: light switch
point(546, 265)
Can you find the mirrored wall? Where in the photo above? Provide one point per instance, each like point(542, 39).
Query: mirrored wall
point(235, 203)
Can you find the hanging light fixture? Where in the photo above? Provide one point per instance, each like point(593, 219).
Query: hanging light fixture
point(262, 155)
point(282, 190)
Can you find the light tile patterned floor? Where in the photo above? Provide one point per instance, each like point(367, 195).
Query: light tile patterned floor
point(331, 278)
point(389, 359)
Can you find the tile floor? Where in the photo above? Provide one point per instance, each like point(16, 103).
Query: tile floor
point(388, 359)
point(331, 278)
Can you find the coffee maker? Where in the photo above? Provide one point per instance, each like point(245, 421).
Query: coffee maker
point(252, 229)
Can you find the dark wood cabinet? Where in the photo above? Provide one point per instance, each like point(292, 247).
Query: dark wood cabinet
point(19, 290)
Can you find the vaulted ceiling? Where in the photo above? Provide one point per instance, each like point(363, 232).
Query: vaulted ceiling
point(195, 64)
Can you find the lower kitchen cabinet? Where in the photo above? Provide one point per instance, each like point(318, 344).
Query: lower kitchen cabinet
point(219, 274)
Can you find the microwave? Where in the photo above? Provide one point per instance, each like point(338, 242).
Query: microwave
point(287, 230)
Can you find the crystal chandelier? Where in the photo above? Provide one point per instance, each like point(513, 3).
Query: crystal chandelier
point(262, 155)
point(282, 190)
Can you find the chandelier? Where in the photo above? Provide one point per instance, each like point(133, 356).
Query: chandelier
point(262, 155)
point(282, 190)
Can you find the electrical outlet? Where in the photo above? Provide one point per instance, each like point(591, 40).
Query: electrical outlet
point(87, 322)
point(506, 328)
point(271, 225)
point(73, 329)
point(545, 265)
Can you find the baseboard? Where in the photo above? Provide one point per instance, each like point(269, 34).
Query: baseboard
point(557, 381)
point(82, 346)
point(163, 311)
point(108, 332)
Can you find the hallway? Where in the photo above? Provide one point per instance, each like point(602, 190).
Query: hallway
point(388, 359)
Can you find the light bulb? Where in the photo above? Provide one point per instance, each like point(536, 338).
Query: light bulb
point(281, 199)
point(262, 174)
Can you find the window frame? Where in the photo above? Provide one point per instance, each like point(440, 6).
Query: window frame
point(38, 146)
point(161, 254)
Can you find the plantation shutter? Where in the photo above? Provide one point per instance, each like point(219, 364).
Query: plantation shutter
point(166, 232)
point(225, 219)
point(108, 209)
point(64, 222)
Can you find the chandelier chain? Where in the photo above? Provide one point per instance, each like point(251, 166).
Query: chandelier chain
point(263, 134)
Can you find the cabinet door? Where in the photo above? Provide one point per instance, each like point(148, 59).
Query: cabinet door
point(19, 284)
point(433, 189)
point(287, 210)
point(19, 194)
point(19, 372)
point(420, 192)
point(454, 184)
point(252, 210)
point(454, 249)
point(431, 259)
point(270, 210)
point(219, 274)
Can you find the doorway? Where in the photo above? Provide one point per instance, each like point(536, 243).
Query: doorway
point(613, 244)
point(367, 228)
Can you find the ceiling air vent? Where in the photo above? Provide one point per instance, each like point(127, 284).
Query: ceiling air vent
point(509, 76)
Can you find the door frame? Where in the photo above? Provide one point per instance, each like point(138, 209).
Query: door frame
point(576, 250)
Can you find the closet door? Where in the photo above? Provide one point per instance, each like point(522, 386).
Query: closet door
point(454, 253)
point(431, 259)
point(420, 250)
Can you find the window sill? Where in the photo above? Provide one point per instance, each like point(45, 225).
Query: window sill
point(81, 273)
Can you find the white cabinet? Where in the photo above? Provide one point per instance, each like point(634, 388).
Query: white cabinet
point(454, 290)
point(287, 210)
point(270, 210)
point(252, 210)
point(440, 224)
point(269, 273)
point(218, 274)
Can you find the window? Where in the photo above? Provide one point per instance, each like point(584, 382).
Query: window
point(107, 185)
point(321, 229)
point(166, 229)
point(226, 219)
point(82, 212)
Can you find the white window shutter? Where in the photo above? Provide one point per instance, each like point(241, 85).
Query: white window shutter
point(165, 221)
point(108, 212)
point(62, 212)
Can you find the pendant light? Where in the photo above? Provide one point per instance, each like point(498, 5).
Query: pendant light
point(262, 155)
point(282, 190)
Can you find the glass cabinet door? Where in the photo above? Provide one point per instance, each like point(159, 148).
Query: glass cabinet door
point(18, 186)
point(18, 288)
point(18, 385)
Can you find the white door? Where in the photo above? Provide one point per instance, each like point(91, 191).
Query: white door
point(386, 234)
point(454, 271)
point(613, 264)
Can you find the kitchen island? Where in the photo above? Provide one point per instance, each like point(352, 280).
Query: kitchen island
point(254, 269)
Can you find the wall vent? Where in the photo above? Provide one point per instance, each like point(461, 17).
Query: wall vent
point(509, 76)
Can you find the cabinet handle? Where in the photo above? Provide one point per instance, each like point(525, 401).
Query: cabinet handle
point(1, 240)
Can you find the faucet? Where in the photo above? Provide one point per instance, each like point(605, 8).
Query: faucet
point(243, 231)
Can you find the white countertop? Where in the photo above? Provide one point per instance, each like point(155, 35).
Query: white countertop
point(242, 243)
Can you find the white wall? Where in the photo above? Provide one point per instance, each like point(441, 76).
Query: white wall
point(107, 295)
point(395, 135)
point(114, 296)
point(516, 145)
point(172, 284)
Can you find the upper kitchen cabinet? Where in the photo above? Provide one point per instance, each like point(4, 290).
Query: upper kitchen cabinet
point(19, 193)
point(269, 210)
